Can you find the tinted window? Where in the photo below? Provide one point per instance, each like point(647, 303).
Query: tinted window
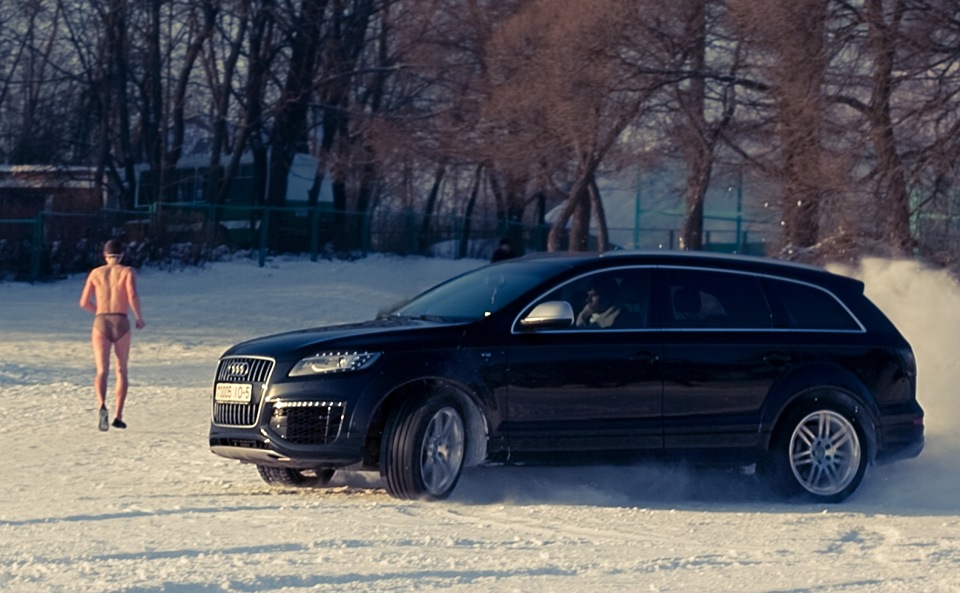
point(617, 299)
point(706, 299)
point(801, 306)
point(477, 294)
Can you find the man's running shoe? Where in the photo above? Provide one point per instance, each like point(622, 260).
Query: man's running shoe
point(104, 418)
point(118, 423)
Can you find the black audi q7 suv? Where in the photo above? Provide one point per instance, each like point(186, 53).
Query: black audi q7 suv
point(726, 359)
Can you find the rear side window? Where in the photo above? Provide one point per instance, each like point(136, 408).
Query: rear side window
point(802, 306)
point(708, 300)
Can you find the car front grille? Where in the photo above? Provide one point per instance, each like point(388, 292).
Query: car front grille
point(307, 422)
point(254, 371)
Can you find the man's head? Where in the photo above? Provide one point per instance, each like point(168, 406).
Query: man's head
point(601, 293)
point(113, 249)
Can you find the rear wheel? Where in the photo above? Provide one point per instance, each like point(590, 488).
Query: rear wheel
point(287, 476)
point(423, 449)
point(819, 454)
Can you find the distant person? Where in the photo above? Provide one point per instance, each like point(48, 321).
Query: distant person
point(111, 293)
point(602, 308)
point(503, 251)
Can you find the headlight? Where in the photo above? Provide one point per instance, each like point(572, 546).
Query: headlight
point(334, 362)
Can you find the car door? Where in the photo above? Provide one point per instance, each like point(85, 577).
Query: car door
point(592, 387)
point(720, 357)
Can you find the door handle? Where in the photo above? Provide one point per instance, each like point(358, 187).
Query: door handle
point(645, 357)
point(777, 359)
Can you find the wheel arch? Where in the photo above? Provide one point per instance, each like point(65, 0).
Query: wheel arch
point(831, 395)
point(475, 422)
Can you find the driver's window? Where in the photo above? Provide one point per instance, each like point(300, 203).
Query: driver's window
point(615, 299)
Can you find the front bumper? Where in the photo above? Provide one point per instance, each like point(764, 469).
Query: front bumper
point(265, 452)
point(298, 424)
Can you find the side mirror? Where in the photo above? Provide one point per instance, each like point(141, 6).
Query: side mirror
point(551, 314)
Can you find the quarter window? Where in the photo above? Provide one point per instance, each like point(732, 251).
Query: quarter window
point(801, 306)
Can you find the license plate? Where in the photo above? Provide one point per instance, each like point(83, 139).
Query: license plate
point(234, 393)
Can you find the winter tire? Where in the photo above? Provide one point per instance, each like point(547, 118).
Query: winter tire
point(423, 449)
point(286, 476)
point(819, 455)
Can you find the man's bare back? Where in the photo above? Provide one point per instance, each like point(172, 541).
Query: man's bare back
point(111, 288)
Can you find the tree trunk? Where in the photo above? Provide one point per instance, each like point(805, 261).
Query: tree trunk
point(249, 131)
point(463, 249)
point(427, 225)
point(289, 134)
point(116, 27)
point(799, 91)
point(153, 137)
point(698, 180)
point(894, 219)
point(603, 234)
point(699, 147)
point(201, 33)
point(577, 209)
point(221, 105)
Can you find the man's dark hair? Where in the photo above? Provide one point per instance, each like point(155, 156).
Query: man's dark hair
point(113, 247)
point(604, 285)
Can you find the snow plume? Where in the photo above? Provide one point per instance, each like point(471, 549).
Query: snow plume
point(924, 304)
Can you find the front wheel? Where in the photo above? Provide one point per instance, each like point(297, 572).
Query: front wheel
point(423, 449)
point(287, 476)
point(819, 455)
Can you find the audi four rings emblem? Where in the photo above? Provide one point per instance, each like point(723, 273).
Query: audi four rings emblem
point(238, 369)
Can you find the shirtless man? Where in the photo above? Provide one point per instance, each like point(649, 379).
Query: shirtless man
point(110, 293)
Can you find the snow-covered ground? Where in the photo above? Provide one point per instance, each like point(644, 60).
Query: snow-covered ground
point(150, 509)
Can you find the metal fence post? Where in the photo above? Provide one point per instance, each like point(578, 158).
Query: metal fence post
point(314, 232)
point(212, 226)
point(37, 251)
point(366, 238)
point(264, 229)
point(411, 235)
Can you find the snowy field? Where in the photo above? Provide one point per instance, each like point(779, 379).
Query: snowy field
point(151, 510)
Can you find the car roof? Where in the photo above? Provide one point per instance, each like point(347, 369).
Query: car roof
point(694, 259)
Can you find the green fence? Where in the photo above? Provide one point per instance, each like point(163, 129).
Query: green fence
point(52, 245)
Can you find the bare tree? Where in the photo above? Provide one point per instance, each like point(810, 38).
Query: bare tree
point(250, 125)
point(115, 141)
point(423, 113)
point(468, 106)
point(220, 65)
point(201, 18)
point(572, 79)
point(37, 138)
point(304, 31)
point(795, 35)
point(706, 101)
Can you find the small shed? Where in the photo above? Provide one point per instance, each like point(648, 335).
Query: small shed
point(47, 213)
point(28, 190)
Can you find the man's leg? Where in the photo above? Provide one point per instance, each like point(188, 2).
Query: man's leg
point(101, 357)
point(122, 349)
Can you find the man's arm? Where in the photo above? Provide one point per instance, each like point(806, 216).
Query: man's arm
point(134, 298)
point(86, 297)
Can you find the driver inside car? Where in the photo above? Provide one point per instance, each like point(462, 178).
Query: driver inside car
point(602, 307)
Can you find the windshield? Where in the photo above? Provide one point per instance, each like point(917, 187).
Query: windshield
point(479, 293)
